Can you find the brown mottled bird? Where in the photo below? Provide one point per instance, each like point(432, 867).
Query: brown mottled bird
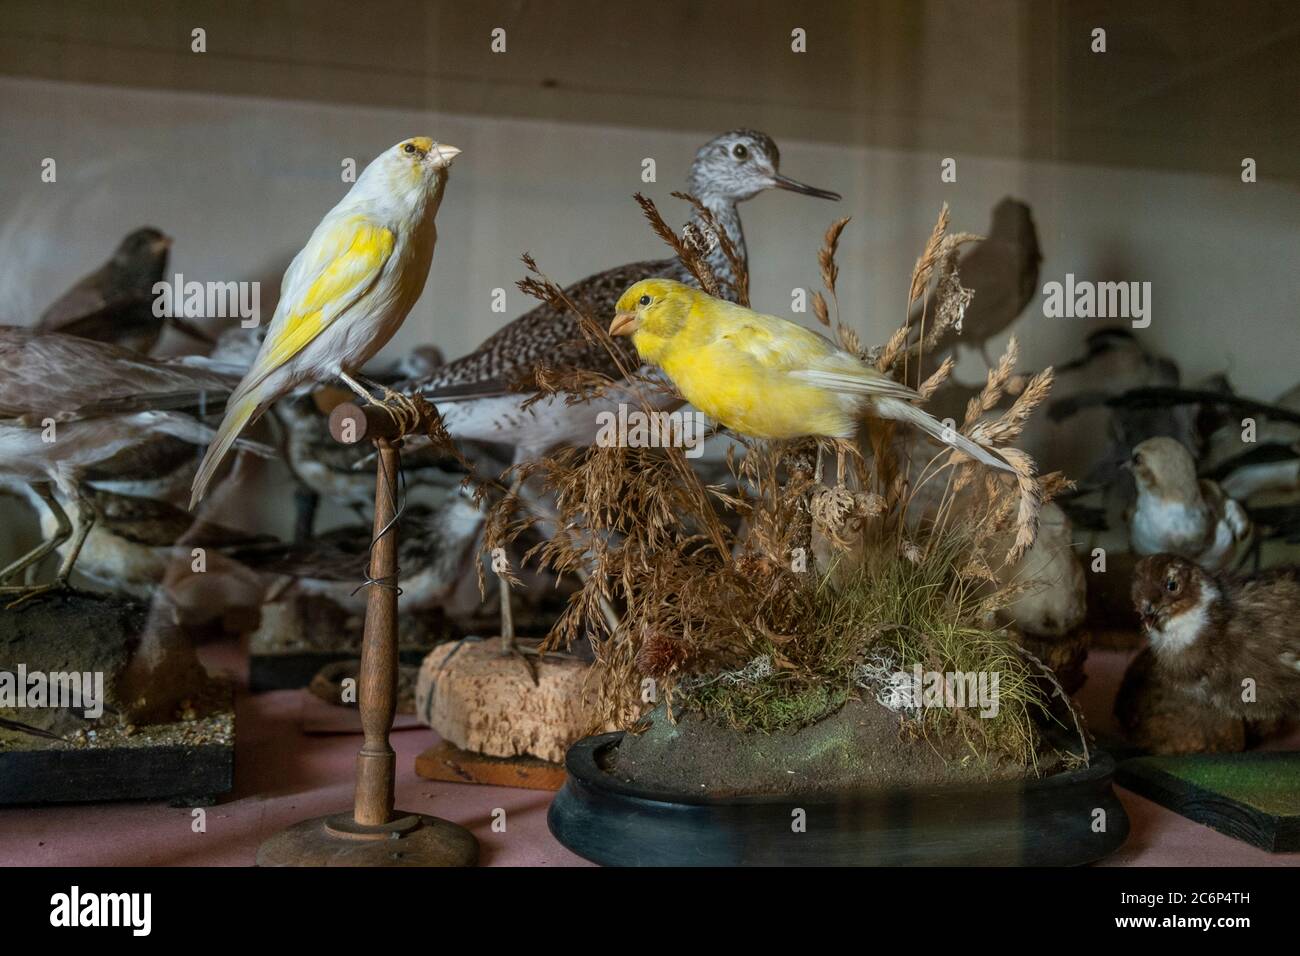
point(473, 393)
point(115, 303)
point(1234, 642)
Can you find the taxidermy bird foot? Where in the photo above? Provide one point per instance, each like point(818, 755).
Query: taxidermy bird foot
point(26, 592)
point(402, 407)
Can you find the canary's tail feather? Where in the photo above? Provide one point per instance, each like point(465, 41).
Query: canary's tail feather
point(238, 415)
point(904, 411)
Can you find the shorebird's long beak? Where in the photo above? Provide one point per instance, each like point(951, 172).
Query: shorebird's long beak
point(625, 323)
point(794, 186)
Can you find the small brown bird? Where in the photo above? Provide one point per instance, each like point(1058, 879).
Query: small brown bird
point(115, 303)
point(1234, 642)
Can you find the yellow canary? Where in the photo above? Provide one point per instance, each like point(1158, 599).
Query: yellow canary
point(763, 376)
point(348, 290)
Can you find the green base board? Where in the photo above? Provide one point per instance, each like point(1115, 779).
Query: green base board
point(1253, 797)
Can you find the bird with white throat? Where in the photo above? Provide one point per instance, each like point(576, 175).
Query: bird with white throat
point(349, 289)
point(1180, 514)
point(1231, 641)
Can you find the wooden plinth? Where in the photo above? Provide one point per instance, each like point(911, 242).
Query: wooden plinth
point(449, 763)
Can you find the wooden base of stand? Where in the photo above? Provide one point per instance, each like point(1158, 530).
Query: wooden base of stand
point(410, 839)
point(449, 763)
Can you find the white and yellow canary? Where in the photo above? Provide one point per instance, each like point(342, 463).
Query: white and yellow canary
point(764, 376)
point(349, 289)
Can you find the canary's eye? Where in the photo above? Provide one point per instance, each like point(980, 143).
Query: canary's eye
point(740, 151)
point(1171, 585)
point(409, 149)
point(644, 300)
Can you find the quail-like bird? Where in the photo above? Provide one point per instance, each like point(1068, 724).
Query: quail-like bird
point(348, 291)
point(729, 169)
point(70, 405)
point(115, 303)
point(1232, 641)
point(1178, 513)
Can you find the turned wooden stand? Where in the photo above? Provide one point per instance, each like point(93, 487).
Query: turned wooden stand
point(374, 834)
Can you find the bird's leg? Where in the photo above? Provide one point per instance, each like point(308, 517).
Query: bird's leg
point(549, 518)
point(38, 553)
point(356, 386)
point(503, 583)
point(401, 407)
point(817, 471)
point(85, 519)
point(839, 465)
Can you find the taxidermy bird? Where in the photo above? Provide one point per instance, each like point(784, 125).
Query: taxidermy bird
point(434, 549)
point(763, 376)
point(69, 405)
point(1116, 362)
point(1002, 271)
point(1179, 513)
point(1215, 633)
point(349, 289)
point(115, 303)
point(135, 542)
point(474, 392)
point(1050, 600)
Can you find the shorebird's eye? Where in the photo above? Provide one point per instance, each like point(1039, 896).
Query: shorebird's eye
point(740, 151)
point(644, 300)
point(1171, 585)
point(409, 149)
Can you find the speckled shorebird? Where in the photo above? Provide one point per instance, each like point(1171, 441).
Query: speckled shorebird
point(474, 394)
point(69, 405)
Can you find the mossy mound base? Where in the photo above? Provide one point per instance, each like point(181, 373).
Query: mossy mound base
point(860, 747)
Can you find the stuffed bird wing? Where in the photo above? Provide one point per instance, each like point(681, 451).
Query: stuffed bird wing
point(342, 261)
point(324, 281)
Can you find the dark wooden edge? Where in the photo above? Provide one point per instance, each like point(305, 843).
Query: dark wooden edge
point(1219, 812)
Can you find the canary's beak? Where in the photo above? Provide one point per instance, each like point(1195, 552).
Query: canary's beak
point(443, 154)
point(625, 323)
point(163, 244)
point(794, 186)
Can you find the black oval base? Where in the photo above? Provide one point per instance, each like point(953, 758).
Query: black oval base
point(1062, 820)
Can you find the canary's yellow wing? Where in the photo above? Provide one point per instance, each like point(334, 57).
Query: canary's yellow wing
point(339, 265)
point(775, 344)
point(767, 377)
